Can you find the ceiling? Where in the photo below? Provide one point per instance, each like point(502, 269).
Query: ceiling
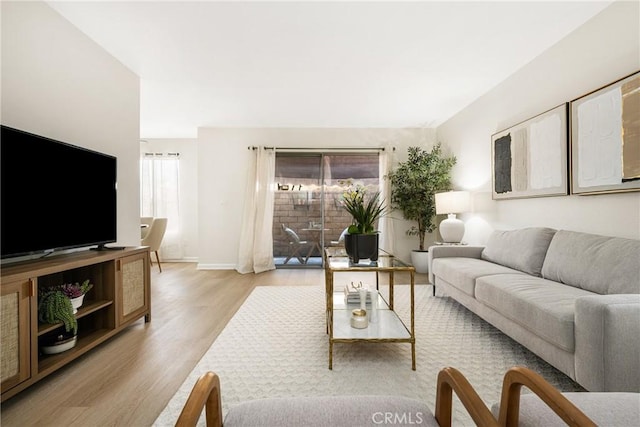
point(318, 64)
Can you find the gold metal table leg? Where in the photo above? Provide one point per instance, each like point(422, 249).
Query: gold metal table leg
point(330, 354)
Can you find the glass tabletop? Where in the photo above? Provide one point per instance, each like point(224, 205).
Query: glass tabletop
point(337, 259)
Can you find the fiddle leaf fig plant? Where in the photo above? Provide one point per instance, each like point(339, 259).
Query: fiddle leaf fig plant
point(414, 184)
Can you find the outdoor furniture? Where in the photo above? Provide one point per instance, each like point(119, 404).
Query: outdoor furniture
point(296, 246)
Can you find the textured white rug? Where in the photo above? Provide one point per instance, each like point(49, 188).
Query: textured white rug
point(276, 346)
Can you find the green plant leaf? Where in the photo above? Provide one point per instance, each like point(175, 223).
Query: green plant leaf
point(54, 306)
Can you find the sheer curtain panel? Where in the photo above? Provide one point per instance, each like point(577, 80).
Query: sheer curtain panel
point(255, 253)
point(160, 197)
point(385, 224)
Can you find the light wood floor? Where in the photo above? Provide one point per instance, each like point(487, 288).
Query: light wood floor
point(128, 380)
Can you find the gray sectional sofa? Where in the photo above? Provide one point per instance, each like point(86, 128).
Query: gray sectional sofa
point(571, 298)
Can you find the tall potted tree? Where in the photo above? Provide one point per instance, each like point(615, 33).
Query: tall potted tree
point(414, 184)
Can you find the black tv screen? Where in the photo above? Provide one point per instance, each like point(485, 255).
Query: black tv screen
point(54, 195)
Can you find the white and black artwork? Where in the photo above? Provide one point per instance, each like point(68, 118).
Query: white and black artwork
point(530, 159)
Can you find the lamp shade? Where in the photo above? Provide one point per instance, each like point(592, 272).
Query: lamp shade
point(452, 202)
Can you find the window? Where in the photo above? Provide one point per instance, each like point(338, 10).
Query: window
point(308, 202)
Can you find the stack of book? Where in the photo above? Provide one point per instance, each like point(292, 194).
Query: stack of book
point(352, 296)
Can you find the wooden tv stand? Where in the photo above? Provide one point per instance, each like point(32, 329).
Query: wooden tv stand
point(121, 295)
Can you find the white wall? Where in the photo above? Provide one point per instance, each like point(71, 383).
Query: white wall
point(603, 50)
point(58, 83)
point(222, 176)
point(188, 149)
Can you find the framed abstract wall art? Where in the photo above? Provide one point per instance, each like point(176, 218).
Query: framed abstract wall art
point(605, 139)
point(530, 158)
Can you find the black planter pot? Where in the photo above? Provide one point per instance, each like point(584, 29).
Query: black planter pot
point(361, 246)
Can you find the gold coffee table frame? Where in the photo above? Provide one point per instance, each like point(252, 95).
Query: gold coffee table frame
point(389, 327)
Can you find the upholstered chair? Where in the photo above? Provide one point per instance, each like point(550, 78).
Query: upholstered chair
point(154, 237)
point(335, 411)
point(145, 223)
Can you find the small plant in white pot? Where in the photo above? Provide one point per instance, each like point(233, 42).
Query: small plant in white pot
point(60, 304)
point(414, 184)
point(76, 292)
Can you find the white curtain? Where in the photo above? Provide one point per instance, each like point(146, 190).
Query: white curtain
point(160, 197)
point(385, 224)
point(255, 253)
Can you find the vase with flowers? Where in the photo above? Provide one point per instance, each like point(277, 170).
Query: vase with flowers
point(361, 239)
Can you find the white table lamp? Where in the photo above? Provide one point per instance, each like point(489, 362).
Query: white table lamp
point(451, 203)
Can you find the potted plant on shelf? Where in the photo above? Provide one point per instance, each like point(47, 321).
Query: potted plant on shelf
point(361, 239)
point(60, 304)
point(54, 307)
point(76, 292)
point(413, 187)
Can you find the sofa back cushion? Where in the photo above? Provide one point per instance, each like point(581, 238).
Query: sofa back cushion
point(605, 265)
point(522, 250)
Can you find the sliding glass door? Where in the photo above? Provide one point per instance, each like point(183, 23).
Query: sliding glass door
point(308, 212)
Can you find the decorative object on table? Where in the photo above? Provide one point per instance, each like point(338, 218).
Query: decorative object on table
point(373, 313)
point(451, 203)
point(361, 240)
point(529, 159)
point(414, 184)
point(352, 294)
point(359, 319)
point(363, 297)
point(605, 139)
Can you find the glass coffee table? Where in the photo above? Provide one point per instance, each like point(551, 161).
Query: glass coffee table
point(388, 327)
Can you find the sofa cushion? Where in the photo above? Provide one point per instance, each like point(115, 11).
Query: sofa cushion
point(604, 265)
point(604, 409)
point(463, 272)
point(522, 249)
point(543, 307)
point(338, 411)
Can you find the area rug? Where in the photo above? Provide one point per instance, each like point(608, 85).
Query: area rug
point(276, 346)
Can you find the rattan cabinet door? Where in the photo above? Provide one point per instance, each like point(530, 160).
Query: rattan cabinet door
point(14, 330)
point(133, 287)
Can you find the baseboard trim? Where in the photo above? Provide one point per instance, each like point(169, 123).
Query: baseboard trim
point(193, 259)
point(216, 267)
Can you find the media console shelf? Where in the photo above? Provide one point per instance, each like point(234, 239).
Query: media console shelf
point(120, 296)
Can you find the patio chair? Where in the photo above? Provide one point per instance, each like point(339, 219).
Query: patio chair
point(340, 240)
point(296, 246)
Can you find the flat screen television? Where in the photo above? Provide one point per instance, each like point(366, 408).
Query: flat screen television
point(54, 195)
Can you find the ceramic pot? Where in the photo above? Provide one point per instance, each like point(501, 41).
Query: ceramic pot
point(361, 246)
point(60, 344)
point(76, 303)
point(420, 260)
